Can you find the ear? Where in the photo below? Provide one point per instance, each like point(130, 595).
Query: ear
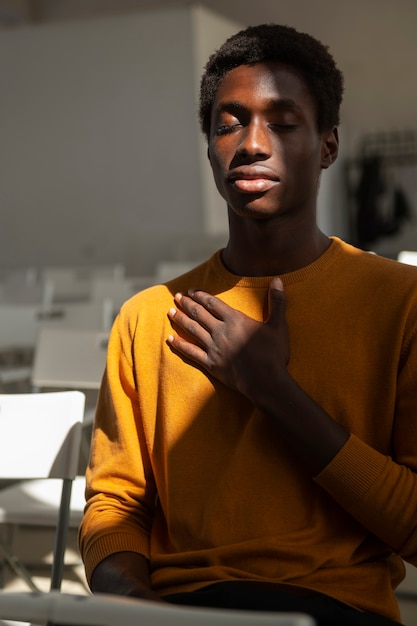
point(329, 147)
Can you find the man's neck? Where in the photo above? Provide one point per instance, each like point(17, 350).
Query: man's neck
point(266, 249)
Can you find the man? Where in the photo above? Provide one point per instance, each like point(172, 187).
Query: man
point(255, 443)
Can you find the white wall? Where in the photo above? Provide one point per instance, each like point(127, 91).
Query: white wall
point(99, 134)
point(99, 149)
point(210, 31)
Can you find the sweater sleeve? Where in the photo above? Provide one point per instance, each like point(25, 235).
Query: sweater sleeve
point(380, 490)
point(120, 491)
point(380, 493)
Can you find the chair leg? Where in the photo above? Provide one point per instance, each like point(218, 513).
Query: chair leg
point(61, 536)
point(60, 545)
point(17, 567)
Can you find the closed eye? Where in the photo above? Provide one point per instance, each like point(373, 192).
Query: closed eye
point(226, 129)
point(284, 127)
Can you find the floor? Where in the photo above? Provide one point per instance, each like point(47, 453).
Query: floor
point(36, 547)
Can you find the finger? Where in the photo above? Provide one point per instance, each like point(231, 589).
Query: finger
point(196, 311)
point(276, 302)
point(188, 350)
point(213, 305)
point(191, 327)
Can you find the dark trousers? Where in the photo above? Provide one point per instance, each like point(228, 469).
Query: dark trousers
point(268, 597)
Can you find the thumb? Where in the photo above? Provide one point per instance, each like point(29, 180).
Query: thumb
point(276, 302)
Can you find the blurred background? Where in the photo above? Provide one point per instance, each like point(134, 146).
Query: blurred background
point(101, 157)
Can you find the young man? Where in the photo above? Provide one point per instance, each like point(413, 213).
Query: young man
point(255, 443)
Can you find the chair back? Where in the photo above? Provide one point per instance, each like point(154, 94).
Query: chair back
point(69, 358)
point(40, 434)
point(407, 256)
point(18, 325)
point(118, 290)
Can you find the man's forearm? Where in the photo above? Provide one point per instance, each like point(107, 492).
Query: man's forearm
point(313, 434)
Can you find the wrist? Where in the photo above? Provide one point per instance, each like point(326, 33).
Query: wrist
point(270, 393)
point(124, 574)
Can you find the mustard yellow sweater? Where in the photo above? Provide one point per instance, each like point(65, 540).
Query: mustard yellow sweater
point(186, 472)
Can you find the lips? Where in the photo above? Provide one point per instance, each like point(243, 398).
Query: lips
point(254, 179)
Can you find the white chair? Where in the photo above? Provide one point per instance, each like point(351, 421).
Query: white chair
point(40, 436)
point(21, 323)
point(40, 294)
point(106, 610)
point(91, 315)
point(18, 325)
point(18, 329)
point(18, 276)
point(118, 290)
point(407, 256)
point(69, 358)
point(73, 283)
point(67, 286)
point(112, 270)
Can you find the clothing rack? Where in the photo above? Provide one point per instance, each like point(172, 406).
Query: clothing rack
point(366, 181)
point(399, 147)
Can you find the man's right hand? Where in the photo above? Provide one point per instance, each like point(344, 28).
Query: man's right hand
point(124, 574)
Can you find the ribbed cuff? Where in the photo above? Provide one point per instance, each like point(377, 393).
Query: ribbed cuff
point(105, 545)
point(353, 470)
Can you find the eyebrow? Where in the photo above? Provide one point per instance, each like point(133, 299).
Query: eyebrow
point(277, 104)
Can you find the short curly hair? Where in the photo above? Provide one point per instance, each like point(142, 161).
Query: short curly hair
point(273, 42)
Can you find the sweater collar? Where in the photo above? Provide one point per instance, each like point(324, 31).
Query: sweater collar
point(261, 282)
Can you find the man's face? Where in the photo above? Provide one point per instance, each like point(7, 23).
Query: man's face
point(264, 147)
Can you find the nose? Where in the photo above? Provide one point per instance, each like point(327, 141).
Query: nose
point(255, 140)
